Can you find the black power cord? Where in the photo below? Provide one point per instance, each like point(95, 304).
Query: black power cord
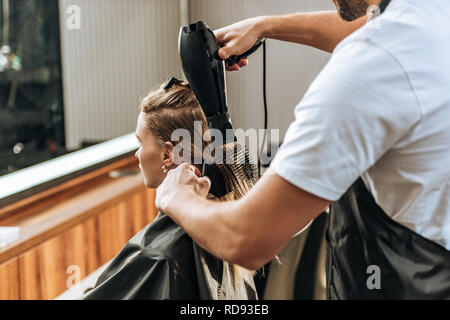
point(262, 275)
point(265, 104)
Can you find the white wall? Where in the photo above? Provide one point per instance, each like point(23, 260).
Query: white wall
point(123, 49)
point(291, 67)
point(126, 47)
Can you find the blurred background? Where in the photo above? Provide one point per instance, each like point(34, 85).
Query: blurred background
point(72, 76)
point(65, 86)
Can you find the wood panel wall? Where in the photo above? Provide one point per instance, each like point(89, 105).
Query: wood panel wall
point(45, 271)
point(9, 280)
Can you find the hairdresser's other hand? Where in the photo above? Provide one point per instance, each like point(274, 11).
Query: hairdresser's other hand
point(180, 184)
point(238, 38)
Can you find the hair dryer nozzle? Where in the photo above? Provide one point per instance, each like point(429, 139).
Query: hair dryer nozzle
point(202, 67)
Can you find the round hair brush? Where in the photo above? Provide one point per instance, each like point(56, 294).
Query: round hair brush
point(205, 72)
point(235, 172)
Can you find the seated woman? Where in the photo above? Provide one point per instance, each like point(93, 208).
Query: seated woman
point(162, 261)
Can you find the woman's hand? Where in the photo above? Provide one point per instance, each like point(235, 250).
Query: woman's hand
point(238, 38)
point(182, 183)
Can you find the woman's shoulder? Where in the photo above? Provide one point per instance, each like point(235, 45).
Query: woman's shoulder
point(157, 263)
point(163, 238)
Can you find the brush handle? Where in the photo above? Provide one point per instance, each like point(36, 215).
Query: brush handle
point(232, 60)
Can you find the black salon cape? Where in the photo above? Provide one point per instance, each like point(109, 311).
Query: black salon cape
point(161, 262)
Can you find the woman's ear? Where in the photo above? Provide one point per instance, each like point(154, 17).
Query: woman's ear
point(167, 154)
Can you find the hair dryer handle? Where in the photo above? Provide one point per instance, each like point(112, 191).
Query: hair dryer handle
point(232, 60)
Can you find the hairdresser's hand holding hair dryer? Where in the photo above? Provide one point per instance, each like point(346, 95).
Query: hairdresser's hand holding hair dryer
point(370, 138)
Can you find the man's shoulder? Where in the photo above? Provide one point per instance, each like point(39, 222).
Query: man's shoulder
point(356, 69)
point(363, 78)
point(403, 29)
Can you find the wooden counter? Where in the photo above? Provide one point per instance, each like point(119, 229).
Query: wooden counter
point(71, 230)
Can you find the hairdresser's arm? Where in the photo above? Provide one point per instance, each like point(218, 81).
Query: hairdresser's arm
point(322, 30)
point(249, 232)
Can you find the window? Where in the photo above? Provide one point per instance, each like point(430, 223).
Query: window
point(31, 103)
point(70, 93)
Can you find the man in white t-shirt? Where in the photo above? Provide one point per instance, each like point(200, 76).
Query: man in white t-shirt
point(371, 137)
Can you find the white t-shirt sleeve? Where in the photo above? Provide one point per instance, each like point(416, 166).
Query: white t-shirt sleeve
point(355, 111)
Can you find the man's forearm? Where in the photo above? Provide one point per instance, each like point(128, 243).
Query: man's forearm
point(322, 30)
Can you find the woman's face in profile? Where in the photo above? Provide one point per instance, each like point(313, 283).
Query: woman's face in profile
point(150, 155)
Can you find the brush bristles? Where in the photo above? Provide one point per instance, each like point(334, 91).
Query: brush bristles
point(237, 174)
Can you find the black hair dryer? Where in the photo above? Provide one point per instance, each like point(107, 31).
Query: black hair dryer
point(205, 71)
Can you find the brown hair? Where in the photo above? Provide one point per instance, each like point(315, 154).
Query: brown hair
point(177, 108)
point(172, 109)
point(167, 110)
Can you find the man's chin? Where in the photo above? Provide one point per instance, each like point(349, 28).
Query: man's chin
point(149, 184)
point(348, 18)
point(350, 12)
